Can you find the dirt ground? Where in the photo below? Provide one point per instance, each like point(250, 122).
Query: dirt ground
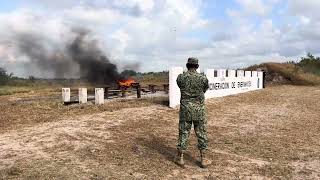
point(269, 134)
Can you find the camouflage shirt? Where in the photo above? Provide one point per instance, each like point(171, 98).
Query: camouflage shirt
point(192, 87)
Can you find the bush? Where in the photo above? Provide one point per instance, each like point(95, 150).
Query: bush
point(286, 73)
point(310, 64)
point(4, 77)
point(157, 78)
point(32, 79)
point(128, 73)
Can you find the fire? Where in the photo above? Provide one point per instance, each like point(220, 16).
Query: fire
point(126, 82)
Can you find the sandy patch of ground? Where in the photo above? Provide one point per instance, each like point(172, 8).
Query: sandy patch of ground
point(273, 133)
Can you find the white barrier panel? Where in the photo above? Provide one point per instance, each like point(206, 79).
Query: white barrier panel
point(99, 96)
point(247, 73)
point(232, 73)
point(66, 94)
point(255, 76)
point(174, 91)
point(83, 95)
point(221, 73)
point(240, 73)
point(254, 73)
point(222, 85)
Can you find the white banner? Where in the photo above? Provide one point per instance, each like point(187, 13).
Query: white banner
point(222, 82)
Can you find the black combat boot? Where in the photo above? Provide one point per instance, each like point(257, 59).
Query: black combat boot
point(179, 158)
point(205, 162)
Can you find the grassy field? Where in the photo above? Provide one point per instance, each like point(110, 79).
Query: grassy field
point(289, 73)
point(25, 86)
point(158, 78)
point(276, 73)
point(272, 133)
point(10, 90)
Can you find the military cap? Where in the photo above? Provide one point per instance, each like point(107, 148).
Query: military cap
point(193, 60)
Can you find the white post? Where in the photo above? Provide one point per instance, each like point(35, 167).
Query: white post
point(210, 74)
point(99, 96)
point(66, 94)
point(221, 73)
point(83, 95)
point(254, 74)
point(231, 73)
point(260, 79)
point(247, 74)
point(174, 91)
point(240, 73)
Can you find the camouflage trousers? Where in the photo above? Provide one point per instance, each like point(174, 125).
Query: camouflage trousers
point(200, 128)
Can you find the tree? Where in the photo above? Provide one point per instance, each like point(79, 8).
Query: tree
point(128, 73)
point(3, 76)
point(310, 63)
point(32, 79)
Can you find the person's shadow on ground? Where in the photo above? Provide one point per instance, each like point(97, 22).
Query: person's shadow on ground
point(161, 146)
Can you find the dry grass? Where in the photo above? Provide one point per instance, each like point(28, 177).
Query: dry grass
point(8, 90)
point(27, 110)
point(154, 78)
point(273, 133)
point(293, 74)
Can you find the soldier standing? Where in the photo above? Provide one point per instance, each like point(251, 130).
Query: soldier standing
point(192, 86)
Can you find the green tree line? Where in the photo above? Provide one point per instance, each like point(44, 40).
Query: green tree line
point(4, 76)
point(310, 64)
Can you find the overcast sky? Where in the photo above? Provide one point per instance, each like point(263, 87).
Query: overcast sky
point(158, 34)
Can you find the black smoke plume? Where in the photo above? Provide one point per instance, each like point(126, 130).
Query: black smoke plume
point(94, 65)
point(79, 56)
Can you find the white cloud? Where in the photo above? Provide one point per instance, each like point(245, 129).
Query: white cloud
point(92, 16)
point(143, 5)
point(159, 33)
point(158, 29)
point(304, 20)
point(255, 7)
point(308, 8)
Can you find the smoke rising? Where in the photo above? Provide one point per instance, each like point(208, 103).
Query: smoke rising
point(55, 48)
point(44, 56)
point(80, 56)
point(93, 63)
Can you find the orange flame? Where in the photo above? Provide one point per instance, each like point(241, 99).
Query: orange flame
point(126, 82)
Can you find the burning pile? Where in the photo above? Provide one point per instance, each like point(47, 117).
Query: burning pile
point(126, 83)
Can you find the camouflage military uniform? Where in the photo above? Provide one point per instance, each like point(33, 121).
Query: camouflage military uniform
point(192, 108)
